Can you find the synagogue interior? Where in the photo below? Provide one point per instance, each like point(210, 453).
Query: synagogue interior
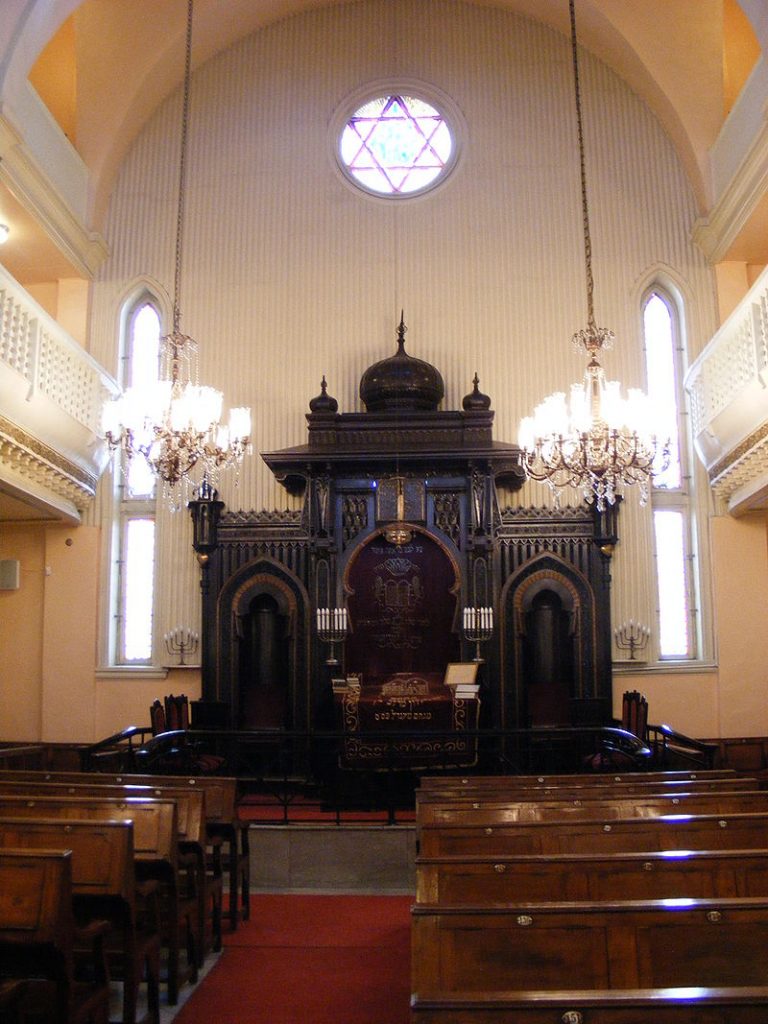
point(298, 280)
point(384, 398)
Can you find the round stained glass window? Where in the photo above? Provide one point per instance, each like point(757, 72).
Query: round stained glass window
point(396, 145)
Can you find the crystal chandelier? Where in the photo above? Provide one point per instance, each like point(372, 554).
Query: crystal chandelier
point(175, 423)
point(597, 441)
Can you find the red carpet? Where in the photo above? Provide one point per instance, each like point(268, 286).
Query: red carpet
point(311, 960)
point(267, 811)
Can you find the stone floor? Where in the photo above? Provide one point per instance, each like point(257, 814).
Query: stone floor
point(320, 858)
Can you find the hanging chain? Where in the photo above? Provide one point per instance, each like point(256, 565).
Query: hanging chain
point(593, 338)
point(182, 172)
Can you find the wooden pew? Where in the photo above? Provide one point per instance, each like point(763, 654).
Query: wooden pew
point(427, 782)
point(485, 965)
point(192, 832)
point(156, 848)
point(687, 1005)
point(222, 821)
point(531, 808)
point(592, 877)
point(504, 791)
point(588, 945)
point(38, 934)
point(104, 887)
point(666, 832)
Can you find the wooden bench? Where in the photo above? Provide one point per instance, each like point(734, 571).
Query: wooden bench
point(665, 832)
point(222, 821)
point(156, 849)
point(503, 791)
point(104, 886)
point(192, 834)
point(38, 935)
point(519, 808)
point(689, 1005)
point(592, 876)
point(588, 945)
point(427, 782)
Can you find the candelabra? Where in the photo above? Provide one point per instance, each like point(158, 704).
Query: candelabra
point(631, 636)
point(332, 627)
point(181, 641)
point(477, 627)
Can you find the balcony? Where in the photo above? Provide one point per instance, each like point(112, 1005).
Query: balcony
point(728, 390)
point(51, 454)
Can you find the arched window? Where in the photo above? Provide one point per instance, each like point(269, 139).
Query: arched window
point(133, 551)
point(671, 496)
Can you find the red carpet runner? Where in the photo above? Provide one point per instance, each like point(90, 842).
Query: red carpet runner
point(311, 960)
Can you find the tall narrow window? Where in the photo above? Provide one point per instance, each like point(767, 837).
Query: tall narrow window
point(134, 557)
point(671, 496)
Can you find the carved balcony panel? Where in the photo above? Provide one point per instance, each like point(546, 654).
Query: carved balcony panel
point(728, 390)
point(51, 452)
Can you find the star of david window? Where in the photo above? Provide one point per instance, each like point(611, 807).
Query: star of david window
point(396, 145)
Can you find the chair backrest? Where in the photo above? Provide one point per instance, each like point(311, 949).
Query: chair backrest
point(157, 718)
point(634, 713)
point(177, 712)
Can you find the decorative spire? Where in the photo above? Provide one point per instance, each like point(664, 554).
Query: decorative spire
point(323, 402)
point(475, 401)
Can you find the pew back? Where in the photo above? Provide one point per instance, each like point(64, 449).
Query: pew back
point(589, 945)
point(155, 833)
point(592, 877)
point(666, 832)
point(532, 808)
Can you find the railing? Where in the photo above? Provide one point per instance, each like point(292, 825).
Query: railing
point(297, 776)
point(53, 395)
point(727, 389)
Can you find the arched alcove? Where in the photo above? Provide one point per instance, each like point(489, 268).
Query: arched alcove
point(403, 603)
point(549, 649)
point(262, 647)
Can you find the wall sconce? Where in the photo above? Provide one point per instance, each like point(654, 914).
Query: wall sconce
point(4, 233)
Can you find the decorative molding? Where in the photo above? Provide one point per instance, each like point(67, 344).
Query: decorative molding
point(30, 458)
point(738, 200)
point(85, 249)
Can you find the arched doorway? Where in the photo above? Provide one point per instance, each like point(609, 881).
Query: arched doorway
point(262, 657)
point(263, 665)
point(549, 649)
point(548, 659)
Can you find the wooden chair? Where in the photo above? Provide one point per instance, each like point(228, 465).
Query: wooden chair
point(157, 718)
point(634, 713)
point(104, 887)
point(38, 935)
point(177, 712)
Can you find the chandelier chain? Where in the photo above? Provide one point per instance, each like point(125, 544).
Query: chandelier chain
point(595, 441)
point(182, 173)
point(583, 170)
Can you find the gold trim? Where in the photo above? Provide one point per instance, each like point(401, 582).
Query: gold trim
point(32, 458)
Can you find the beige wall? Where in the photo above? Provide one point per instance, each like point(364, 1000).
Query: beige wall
point(49, 686)
point(741, 608)
point(21, 634)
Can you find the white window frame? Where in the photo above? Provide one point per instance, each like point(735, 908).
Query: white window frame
point(125, 508)
point(683, 499)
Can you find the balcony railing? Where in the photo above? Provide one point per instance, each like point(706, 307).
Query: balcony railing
point(53, 391)
point(728, 389)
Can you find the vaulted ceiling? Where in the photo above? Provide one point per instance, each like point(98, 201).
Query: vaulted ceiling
point(103, 66)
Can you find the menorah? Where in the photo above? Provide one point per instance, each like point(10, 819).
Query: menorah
point(477, 627)
point(181, 641)
point(332, 628)
point(631, 636)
